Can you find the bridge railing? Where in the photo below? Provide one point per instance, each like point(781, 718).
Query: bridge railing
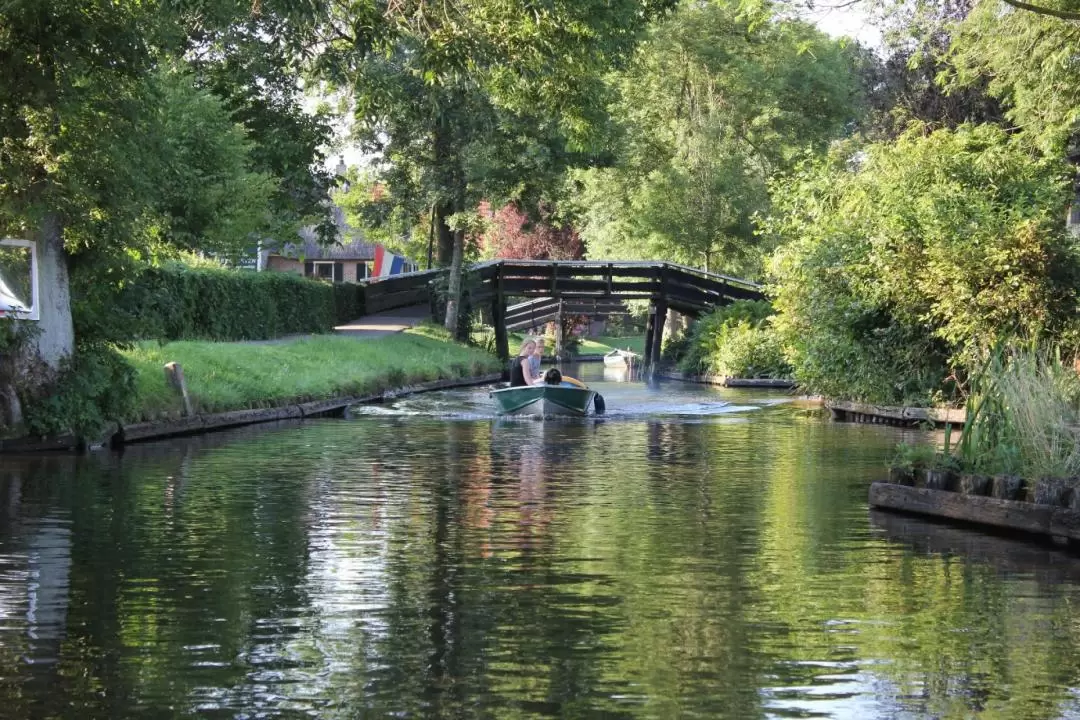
point(683, 288)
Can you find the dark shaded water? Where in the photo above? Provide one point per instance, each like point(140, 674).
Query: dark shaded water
point(681, 558)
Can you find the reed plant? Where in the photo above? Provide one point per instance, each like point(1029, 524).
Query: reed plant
point(1023, 417)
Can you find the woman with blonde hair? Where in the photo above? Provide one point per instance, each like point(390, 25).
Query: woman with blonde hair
point(520, 372)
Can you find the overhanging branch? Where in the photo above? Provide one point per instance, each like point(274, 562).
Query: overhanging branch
point(1052, 12)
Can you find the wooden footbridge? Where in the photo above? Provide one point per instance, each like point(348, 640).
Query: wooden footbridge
point(579, 287)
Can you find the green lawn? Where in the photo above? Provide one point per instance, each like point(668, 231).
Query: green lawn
point(601, 345)
point(235, 376)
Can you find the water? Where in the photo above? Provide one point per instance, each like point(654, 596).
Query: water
point(682, 558)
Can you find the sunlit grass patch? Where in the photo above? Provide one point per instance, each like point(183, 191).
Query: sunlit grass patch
point(234, 376)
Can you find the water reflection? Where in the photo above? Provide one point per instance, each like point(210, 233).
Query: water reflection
point(721, 565)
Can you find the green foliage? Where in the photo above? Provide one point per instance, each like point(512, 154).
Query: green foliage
point(1029, 61)
point(902, 267)
point(14, 334)
point(206, 193)
point(96, 385)
point(917, 456)
point(175, 302)
point(370, 205)
point(488, 100)
point(714, 103)
point(737, 340)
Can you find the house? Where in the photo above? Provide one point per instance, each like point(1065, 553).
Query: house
point(340, 262)
point(347, 260)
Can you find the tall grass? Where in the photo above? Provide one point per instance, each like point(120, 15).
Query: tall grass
point(234, 376)
point(1023, 417)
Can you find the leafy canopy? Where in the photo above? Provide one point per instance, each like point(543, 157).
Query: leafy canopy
point(714, 104)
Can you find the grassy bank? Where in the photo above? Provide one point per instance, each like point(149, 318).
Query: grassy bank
point(234, 376)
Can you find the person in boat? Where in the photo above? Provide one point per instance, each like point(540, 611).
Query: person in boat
point(537, 357)
point(553, 377)
point(520, 370)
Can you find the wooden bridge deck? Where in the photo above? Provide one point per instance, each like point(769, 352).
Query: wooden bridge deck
point(577, 283)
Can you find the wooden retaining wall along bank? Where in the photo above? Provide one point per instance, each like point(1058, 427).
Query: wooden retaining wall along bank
point(212, 422)
point(987, 501)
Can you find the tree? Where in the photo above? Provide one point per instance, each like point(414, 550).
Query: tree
point(72, 88)
point(714, 104)
point(254, 56)
point(900, 269)
point(110, 149)
point(473, 101)
point(510, 234)
point(914, 81)
point(1032, 62)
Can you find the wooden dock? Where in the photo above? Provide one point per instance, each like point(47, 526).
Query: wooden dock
point(847, 411)
point(730, 382)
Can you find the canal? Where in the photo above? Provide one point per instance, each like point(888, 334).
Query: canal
point(698, 553)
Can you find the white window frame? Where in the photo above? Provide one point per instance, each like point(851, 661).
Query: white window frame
point(315, 269)
point(35, 299)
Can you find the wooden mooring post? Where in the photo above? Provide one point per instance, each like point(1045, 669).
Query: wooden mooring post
point(174, 376)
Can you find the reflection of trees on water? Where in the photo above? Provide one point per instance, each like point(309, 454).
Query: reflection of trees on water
point(35, 574)
point(435, 568)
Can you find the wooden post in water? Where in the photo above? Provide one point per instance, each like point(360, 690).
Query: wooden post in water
point(650, 331)
point(659, 318)
point(174, 376)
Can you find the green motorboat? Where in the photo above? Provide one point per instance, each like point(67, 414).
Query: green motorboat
point(544, 400)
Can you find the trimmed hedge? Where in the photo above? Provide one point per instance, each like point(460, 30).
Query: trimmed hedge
point(177, 302)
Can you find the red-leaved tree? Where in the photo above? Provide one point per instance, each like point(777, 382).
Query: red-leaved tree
point(511, 235)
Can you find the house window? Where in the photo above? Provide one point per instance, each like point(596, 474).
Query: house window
point(324, 271)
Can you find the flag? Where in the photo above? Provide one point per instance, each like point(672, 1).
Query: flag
point(387, 263)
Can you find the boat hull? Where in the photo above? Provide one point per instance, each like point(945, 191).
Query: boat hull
point(619, 359)
point(543, 400)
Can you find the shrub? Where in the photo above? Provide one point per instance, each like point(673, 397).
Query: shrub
point(96, 384)
point(179, 302)
point(903, 264)
point(737, 340)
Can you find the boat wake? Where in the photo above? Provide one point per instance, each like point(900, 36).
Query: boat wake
point(458, 405)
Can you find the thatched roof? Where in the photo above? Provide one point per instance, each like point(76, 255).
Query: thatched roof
point(310, 249)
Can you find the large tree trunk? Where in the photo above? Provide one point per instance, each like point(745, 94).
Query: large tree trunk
point(56, 337)
point(29, 370)
point(445, 235)
point(453, 293)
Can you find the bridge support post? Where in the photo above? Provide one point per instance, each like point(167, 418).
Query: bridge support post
point(498, 321)
point(650, 331)
point(654, 333)
point(558, 333)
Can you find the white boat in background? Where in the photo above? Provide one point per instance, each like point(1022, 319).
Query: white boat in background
point(621, 358)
